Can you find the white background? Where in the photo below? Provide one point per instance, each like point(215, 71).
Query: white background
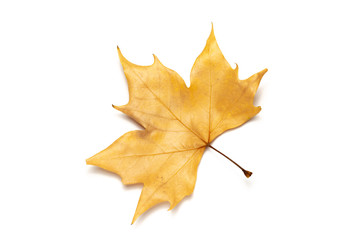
point(60, 73)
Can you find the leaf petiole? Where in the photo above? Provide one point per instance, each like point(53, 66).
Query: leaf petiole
point(246, 172)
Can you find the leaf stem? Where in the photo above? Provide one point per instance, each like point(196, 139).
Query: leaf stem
point(246, 172)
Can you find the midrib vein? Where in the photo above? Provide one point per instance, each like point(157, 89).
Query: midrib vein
point(162, 153)
point(210, 92)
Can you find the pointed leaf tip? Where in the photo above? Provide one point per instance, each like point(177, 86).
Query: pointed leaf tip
point(88, 161)
point(156, 59)
point(121, 56)
point(212, 30)
point(119, 108)
point(134, 219)
point(236, 69)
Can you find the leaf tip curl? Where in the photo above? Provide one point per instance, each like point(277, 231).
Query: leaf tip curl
point(119, 108)
point(236, 69)
point(156, 59)
point(123, 60)
point(254, 81)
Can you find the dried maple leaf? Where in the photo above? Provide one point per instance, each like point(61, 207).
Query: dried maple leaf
point(179, 122)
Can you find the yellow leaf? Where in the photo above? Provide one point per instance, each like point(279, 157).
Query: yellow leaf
point(179, 122)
